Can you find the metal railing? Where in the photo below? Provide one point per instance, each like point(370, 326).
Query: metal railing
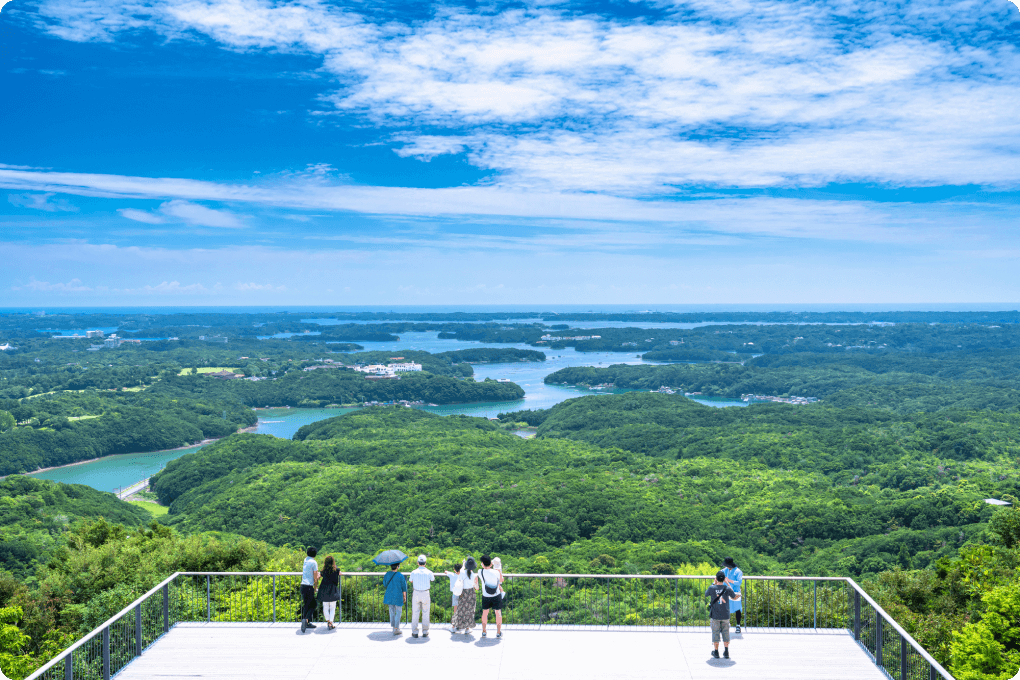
point(587, 601)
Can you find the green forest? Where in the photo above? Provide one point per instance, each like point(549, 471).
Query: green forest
point(883, 479)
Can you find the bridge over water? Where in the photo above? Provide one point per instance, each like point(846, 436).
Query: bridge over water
point(245, 625)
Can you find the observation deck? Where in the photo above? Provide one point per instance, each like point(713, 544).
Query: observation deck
point(245, 625)
point(243, 651)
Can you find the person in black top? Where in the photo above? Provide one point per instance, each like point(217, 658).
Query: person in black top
point(329, 590)
point(719, 595)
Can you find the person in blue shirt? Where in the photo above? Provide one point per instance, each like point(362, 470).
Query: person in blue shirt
point(734, 577)
point(396, 595)
point(309, 579)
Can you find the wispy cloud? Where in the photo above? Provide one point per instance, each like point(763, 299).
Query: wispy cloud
point(259, 287)
point(171, 287)
point(72, 286)
point(141, 216)
point(43, 202)
point(843, 220)
point(738, 93)
point(199, 215)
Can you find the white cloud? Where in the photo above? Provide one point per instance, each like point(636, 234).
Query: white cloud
point(172, 287)
point(734, 93)
point(199, 215)
point(141, 216)
point(41, 202)
point(435, 274)
point(72, 286)
point(754, 217)
point(264, 287)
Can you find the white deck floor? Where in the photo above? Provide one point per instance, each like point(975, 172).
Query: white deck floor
point(280, 652)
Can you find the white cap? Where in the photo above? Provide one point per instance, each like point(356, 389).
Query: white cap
point(422, 559)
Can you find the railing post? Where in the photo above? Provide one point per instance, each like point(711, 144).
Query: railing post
point(106, 653)
point(816, 604)
point(274, 598)
point(903, 658)
point(857, 615)
point(138, 630)
point(609, 582)
point(69, 666)
point(878, 638)
point(745, 599)
point(166, 608)
point(932, 673)
point(676, 603)
point(208, 601)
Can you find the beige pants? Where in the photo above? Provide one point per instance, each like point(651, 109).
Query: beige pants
point(421, 602)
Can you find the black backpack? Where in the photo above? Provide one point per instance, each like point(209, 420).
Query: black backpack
point(494, 589)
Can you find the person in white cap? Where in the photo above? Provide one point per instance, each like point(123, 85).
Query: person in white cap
point(421, 578)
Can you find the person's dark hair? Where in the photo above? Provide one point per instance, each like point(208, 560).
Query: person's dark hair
point(469, 565)
point(720, 577)
point(394, 566)
point(486, 561)
point(329, 565)
point(312, 552)
point(456, 567)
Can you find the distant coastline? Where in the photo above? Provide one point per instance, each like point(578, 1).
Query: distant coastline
point(132, 453)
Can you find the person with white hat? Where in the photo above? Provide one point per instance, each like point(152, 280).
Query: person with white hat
point(421, 601)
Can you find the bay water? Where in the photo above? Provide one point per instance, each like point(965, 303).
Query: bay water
point(114, 472)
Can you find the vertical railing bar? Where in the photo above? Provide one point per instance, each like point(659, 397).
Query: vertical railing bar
point(903, 658)
point(878, 638)
point(857, 615)
point(106, 653)
point(208, 600)
point(816, 604)
point(138, 630)
point(69, 666)
point(274, 598)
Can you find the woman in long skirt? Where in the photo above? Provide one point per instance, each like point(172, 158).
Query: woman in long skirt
point(464, 618)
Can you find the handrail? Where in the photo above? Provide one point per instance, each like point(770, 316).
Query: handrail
point(99, 629)
point(899, 629)
point(522, 575)
point(886, 619)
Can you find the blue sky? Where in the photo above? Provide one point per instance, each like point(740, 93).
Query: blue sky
point(202, 152)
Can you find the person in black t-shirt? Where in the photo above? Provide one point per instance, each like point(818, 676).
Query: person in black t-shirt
point(719, 595)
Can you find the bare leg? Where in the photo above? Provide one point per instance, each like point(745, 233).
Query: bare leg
point(485, 619)
point(499, 621)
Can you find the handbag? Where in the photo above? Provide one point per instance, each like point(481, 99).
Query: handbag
point(458, 586)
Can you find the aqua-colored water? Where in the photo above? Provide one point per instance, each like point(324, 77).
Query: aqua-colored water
point(114, 472)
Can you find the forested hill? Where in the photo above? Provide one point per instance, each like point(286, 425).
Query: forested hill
point(855, 446)
point(805, 492)
point(68, 427)
point(948, 385)
point(34, 513)
point(335, 386)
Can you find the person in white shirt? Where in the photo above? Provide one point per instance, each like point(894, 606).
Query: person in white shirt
point(456, 588)
point(309, 579)
point(492, 595)
point(421, 601)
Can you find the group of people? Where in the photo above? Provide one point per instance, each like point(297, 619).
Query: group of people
point(466, 580)
point(329, 589)
point(724, 601)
